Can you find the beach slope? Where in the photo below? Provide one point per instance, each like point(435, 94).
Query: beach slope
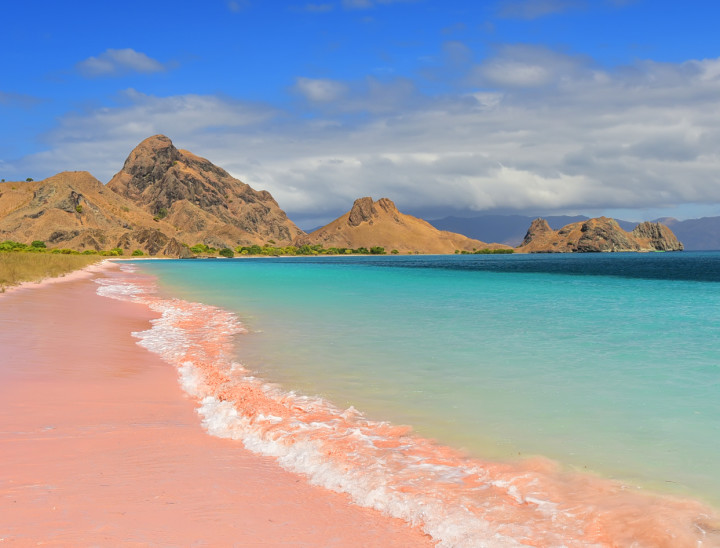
point(99, 445)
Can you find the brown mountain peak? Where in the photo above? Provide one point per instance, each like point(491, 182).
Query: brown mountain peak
point(146, 165)
point(365, 210)
point(371, 224)
point(204, 202)
point(538, 227)
point(361, 211)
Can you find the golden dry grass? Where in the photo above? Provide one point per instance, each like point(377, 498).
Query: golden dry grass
point(17, 267)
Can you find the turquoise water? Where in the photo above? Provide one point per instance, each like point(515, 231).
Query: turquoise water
point(608, 363)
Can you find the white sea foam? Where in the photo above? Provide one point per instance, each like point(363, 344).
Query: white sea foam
point(458, 501)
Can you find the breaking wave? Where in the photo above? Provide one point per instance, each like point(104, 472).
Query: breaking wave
point(459, 501)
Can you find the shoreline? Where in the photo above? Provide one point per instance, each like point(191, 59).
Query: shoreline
point(100, 444)
point(460, 501)
point(79, 274)
point(103, 387)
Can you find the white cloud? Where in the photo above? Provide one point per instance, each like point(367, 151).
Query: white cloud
point(319, 90)
point(529, 66)
point(99, 140)
point(645, 136)
point(115, 62)
point(371, 95)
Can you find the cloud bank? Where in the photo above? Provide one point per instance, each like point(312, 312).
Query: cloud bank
point(531, 130)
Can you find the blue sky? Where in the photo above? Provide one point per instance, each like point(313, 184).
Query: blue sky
point(445, 106)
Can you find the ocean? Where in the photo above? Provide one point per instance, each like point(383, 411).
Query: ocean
point(497, 400)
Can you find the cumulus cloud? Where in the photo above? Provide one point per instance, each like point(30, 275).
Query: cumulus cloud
point(116, 62)
point(98, 140)
point(319, 89)
point(523, 66)
point(577, 140)
point(370, 95)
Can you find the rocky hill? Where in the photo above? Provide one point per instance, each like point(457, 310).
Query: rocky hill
point(201, 201)
point(507, 229)
point(696, 234)
point(163, 197)
point(76, 211)
point(369, 224)
point(597, 235)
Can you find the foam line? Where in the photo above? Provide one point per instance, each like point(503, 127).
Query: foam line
point(460, 502)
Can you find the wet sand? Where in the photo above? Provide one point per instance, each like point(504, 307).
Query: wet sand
point(99, 445)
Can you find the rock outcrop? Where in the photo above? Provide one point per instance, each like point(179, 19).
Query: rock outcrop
point(539, 230)
point(660, 236)
point(370, 224)
point(598, 235)
point(200, 200)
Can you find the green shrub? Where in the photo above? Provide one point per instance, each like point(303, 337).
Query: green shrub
point(137, 253)
point(227, 252)
point(9, 245)
point(78, 208)
point(38, 244)
point(202, 248)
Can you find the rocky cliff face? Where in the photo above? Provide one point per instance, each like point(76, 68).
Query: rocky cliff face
point(369, 224)
point(74, 210)
point(658, 235)
point(598, 235)
point(539, 229)
point(200, 200)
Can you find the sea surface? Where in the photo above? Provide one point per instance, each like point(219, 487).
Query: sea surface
point(549, 397)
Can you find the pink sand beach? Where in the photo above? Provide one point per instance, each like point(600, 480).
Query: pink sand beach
point(99, 446)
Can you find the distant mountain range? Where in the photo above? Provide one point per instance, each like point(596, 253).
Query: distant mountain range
point(695, 234)
point(165, 201)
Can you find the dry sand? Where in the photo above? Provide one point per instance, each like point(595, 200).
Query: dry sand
point(100, 447)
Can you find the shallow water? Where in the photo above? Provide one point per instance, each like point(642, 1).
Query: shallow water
point(605, 363)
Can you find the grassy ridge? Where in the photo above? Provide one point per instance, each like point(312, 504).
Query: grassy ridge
point(18, 267)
